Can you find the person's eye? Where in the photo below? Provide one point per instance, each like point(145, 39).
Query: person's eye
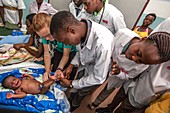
point(86, 4)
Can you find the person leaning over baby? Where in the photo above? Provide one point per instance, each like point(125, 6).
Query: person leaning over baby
point(56, 54)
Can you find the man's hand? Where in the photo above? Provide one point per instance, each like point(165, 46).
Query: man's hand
point(67, 71)
point(65, 82)
point(115, 68)
point(57, 75)
point(20, 24)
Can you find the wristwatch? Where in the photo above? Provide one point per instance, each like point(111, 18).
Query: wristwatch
point(71, 86)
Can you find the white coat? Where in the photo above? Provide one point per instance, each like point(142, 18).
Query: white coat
point(94, 57)
point(129, 69)
point(154, 80)
point(82, 14)
point(45, 8)
point(12, 16)
point(112, 18)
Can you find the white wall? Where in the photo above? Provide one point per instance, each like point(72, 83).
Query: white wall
point(60, 4)
point(160, 7)
point(131, 9)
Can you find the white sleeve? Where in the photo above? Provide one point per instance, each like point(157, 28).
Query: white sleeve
point(99, 74)
point(51, 10)
point(32, 8)
point(75, 61)
point(1, 3)
point(21, 4)
point(118, 23)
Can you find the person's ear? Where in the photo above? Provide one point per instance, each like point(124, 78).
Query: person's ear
point(71, 29)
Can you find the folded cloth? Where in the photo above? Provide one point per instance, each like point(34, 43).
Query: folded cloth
point(14, 39)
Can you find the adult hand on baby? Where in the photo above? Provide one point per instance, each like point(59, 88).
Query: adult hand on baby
point(115, 68)
point(65, 82)
point(46, 75)
point(9, 95)
point(67, 71)
point(57, 75)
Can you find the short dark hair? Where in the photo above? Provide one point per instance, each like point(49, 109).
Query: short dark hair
point(30, 17)
point(3, 81)
point(61, 20)
point(152, 14)
point(162, 40)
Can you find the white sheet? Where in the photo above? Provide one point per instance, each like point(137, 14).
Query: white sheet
point(15, 66)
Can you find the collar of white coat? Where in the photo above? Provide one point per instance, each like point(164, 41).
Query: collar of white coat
point(124, 36)
point(91, 36)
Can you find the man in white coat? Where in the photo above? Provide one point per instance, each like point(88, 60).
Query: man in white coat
point(76, 7)
point(41, 6)
point(11, 11)
point(93, 56)
point(105, 14)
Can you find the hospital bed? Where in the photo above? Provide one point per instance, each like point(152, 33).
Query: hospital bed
point(54, 101)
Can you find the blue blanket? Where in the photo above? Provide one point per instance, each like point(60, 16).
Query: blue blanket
point(54, 101)
point(14, 39)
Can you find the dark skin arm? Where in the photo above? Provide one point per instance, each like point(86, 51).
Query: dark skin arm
point(47, 85)
point(2, 14)
point(16, 95)
point(37, 53)
point(20, 17)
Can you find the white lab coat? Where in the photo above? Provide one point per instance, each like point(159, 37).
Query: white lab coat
point(155, 79)
point(95, 57)
point(82, 14)
point(45, 8)
point(112, 18)
point(12, 16)
point(129, 69)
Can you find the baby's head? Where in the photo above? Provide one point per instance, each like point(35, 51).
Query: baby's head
point(153, 50)
point(11, 82)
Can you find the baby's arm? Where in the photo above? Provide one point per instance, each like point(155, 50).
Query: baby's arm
point(45, 85)
point(15, 95)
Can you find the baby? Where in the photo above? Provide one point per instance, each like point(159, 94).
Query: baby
point(26, 85)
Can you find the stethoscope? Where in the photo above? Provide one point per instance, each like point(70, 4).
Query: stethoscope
point(102, 14)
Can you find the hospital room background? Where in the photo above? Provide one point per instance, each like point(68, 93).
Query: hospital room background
point(159, 7)
point(133, 14)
